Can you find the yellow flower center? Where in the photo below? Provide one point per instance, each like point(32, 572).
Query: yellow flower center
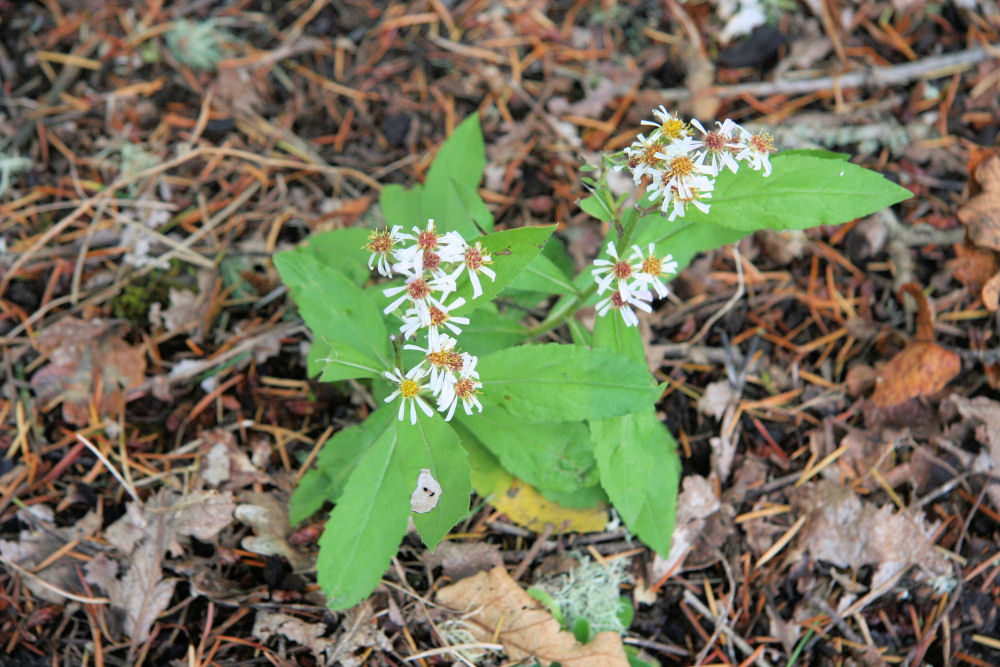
point(408, 388)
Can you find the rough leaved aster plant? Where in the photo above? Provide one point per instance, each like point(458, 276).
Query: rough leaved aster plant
point(451, 347)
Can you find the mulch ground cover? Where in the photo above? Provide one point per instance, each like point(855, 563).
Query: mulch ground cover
point(839, 421)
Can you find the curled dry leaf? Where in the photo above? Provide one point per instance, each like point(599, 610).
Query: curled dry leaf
point(844, 530)
point(310, 635)
point(269, 518)
point(923, 368)
point(981, 215)
point(991, 293)
point(695, 504)
point(36, 545)
point(80, 351)
point(987, 413)
point(973, 266)
point(143, 536)
point(464, 559)
point(493, 602)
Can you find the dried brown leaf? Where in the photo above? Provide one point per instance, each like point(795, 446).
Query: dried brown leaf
point(269, 519)
point(921, 369)
point(695, 504)
point(143, 535)
point(991, 293)
point(225, 464)
point(266, 625)
point(981, 214)
point(36, 544)
point(79, 352)
point(464, 559)
point(848, 532)
point(492, 601)
point(973, 266)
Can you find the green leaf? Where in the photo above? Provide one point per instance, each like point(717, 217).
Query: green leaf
point(548, 602)
point(366, 526)
point(335, 463)
point(433, 444)
point(489, 331)
point(340, 315)
point(542, 275)
point(611, 333)
point(462, 157)
point(583, 498)
point(556, 456)
point(510, 251)
point(547, 383)
point(597, 207)
point(403, 206)
point(449, 195)
point(805, 189)
point(343, 250)
point(581, 630)
point(640, 471)
point(310, 493)
point(626, 612)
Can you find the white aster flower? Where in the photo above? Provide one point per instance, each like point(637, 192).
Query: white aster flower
point(651, 270)
point(409, 388)
point(464, 388)
point(381, 245)
point(424, 240)
point(642, 160)
point(757, 150)
point(668, 126)
point(720, 146)
point(418, 292)
point(686, 180)
point(625, 303)
point(473, 261)
point(440, 358)
point(438, 316)
point(608, 271)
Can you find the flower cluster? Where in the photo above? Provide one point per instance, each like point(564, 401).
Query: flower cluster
point(634, 281)
point(431, 264)
point(680, 166)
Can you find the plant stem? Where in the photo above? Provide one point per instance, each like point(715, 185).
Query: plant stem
point(624, 227)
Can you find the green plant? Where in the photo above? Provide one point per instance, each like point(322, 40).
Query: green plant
point(574, 418)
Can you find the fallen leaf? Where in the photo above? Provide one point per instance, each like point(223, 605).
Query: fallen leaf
point(187, 308)
point(79, 352)
point(695, 504)
point(991, 293)
point(463, 559)
point(498, 609)
point(981, 214)
point(973, 266)
point(923, 368)
point(143, 536)
point(848, 532)
point(716, 398)
point(225, 464)
point(269, 519)
point(36, 544)
point(310, 635)
point(987, 413)
point(527, 507)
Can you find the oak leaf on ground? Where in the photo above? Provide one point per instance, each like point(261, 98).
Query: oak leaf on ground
point(981, 214)
point(85, 355)
point(492, 601)
point(923, 368)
